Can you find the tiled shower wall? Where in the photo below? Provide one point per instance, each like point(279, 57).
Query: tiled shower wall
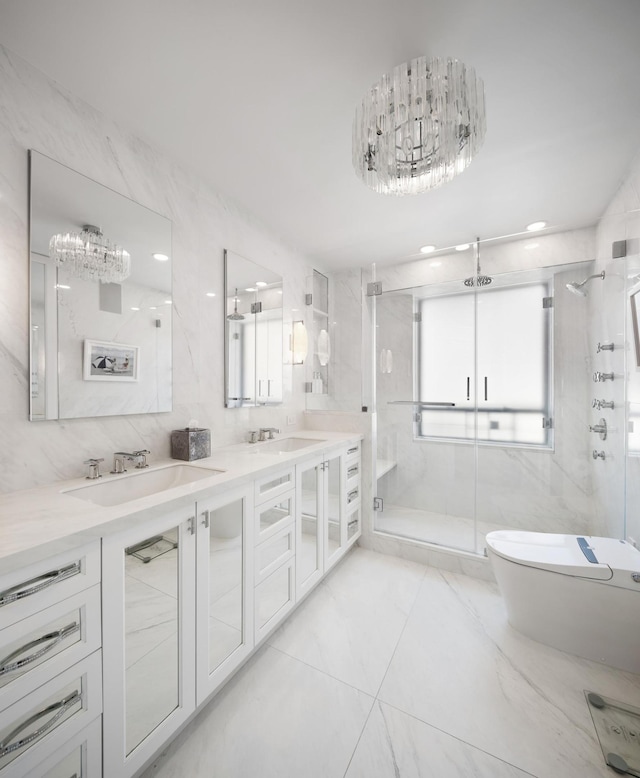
point(37, 113)
point(616, 480)
point(527, 488)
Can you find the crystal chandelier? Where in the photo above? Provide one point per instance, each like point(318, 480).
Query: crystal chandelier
point(89, 256)
point(419, 126)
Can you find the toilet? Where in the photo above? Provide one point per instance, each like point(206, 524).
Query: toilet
point(577, 593)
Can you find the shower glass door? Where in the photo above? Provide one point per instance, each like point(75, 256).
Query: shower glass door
point(426, 413)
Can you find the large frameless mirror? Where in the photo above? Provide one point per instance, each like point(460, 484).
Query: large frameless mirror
point(253, 333)
point(100, 299)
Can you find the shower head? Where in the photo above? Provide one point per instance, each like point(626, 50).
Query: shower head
point(576, 288)
point(235, 316)
point(478, 279)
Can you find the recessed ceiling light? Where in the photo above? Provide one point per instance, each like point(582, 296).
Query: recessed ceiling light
point(427, 249)
point(62, 286)
point(279, 291)
point(167, 302)
point(462, 247)
point(250, 289)
point(530, 246)
point(135, 309)
point(211, 294)
point(435, 264)
point(160, 257)
point(152, 307)
point(261, 283)
point(534, 226)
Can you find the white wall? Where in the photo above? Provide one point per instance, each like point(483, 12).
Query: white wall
point(37, 113)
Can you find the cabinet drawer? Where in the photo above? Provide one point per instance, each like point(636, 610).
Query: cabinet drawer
point(354, 524)
point(274, 485)
point(353, 451)
point(33, 728)
point(79, 757)
point(274, 598)
point(272, 516)
point(352, 472)
point(43, 645)
point(46, 583)
point(274, 552)
point(353, 496)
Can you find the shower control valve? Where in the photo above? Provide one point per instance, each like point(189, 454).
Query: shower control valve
point(600, 428)
point(597, 454)
point(605, 347)
point(598, 376)
point(600, 404)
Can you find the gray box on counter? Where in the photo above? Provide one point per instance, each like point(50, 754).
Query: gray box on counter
point(190, 443)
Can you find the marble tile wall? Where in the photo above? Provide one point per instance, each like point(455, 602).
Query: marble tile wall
point(617, 479)
point(37, 113)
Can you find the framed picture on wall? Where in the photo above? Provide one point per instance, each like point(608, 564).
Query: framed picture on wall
point(105, 361)
point(634, 300)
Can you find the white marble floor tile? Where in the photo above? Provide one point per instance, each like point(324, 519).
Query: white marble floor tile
point(278, 718)
point(461, 668)
point(395, 745)
point(350, 625)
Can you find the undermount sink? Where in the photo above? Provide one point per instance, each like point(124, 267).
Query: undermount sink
point(144, 483)
point(285, 445)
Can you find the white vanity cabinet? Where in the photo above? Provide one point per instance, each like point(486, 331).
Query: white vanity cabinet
point(106, 651)
point(149, 636)
point(50, 664)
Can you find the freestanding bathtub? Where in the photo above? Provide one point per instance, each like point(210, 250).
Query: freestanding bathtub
point(578, 594)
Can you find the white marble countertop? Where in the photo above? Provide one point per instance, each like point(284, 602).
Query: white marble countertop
point(38, 523)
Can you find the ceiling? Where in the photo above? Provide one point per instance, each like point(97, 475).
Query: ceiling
point(258, 98)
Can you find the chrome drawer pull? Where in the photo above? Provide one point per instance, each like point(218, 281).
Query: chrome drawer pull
point(352, 471)
point(7, 665)
point(352, 524)
point(60, 708)
point(48, 579)
point(352, 450)
point(352, 495)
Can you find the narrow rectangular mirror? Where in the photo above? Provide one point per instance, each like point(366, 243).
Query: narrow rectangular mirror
point(253, 333)
point(100, 294)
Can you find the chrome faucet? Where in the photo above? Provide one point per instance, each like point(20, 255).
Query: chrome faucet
point(266, 433)
point(600, 404)
point(94, 468)
point(598, 376)
point(120, 457)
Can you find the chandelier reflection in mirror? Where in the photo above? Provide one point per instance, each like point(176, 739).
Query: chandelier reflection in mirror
point(419, 126)
point(90, 256)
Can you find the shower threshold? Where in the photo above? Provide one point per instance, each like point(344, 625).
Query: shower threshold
point(439, 529)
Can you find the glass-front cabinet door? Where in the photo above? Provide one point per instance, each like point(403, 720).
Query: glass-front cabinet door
point(148, 637)
point(335, 509)
point(309, 535)
point(224, 629)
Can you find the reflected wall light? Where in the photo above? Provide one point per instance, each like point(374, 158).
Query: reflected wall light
point(299, 343)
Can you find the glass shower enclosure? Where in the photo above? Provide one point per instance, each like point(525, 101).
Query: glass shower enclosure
point(483, 400)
